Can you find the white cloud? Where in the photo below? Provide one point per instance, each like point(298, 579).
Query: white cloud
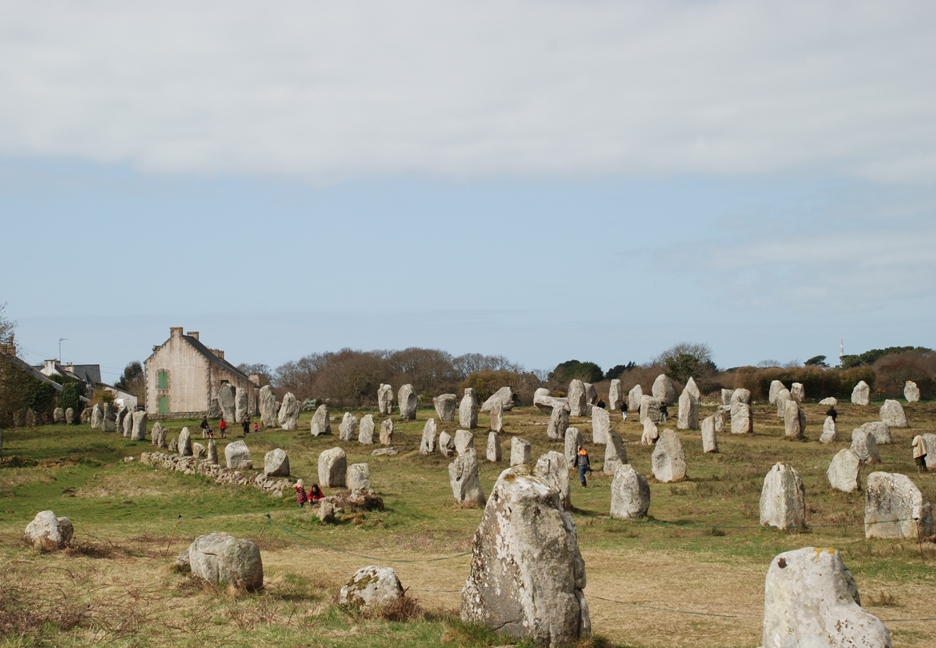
point(330, 91)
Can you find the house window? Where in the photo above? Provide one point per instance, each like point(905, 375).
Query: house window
point(163, 404)
point(162, 380)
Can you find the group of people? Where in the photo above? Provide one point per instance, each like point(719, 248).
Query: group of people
point(208, 433)
point(313, 496)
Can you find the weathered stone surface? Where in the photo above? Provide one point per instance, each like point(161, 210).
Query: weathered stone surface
point(226, 402)
point(721, 420)
point(427, 444)
point(326, 511)
point(199, 451)
point(911, 392)
point(97, 418)
point(741, 395)
point(468, 410)
point(782, 398)
point(407, 402)
point(783, 498)
point(445, 406)
point(630, 494)
point(32, 420)
point(545, 402)
point(240, 404)
point(726, 397)
point(669, 460)
point(865, 446)
point(634, 397)
point(504, 396)
point(463, 477)
point(577, 398)
point(48, 532)
point(650, 433)
point(366, 430)
point(844, 471)
point(463, 440)
point(775, 388)
point(520, 451)
point(829, 431)
point(741, 421)
point(237, 456)
point(497, 417)
point(267, 407)
point(558, 423)
point(385, 399)
point(214, 410)
point(348, 428)
point(688, 418)
point(892, 414)
point(811, 600)
point(650, 409)
point(288, 416)
point(386, 432)
point(493, 452)
point(222, 559)
point(527, 574)
point(84, 417)
point(829, 400)
point(692, 388)
point(615, 453)
point(321, 423)
point(446, 444)
point(930, 440)
point(861, 394)
point(127, 430)
point(58, 415)
point(797, 392)
point(69, 416)
point(615, 395)
point(880, 430)
point(601, 425)
point(709, 436)
point(591, 396)
point(553, 469)
point(184, 444)
point(895, 508)
point(371, 588)
point(358, 477)
point(159, 435)
point(212, 453)
point(276, 463)
point(389, 452)
point(792, 427)
point(664, 389)
point(332, 468)
point(139, 427)
point(108, 422)
point(573, 439)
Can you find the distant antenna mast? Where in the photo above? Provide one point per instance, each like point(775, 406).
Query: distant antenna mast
point(841, 351)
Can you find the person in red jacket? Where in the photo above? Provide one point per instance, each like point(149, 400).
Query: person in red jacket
point(222, 427)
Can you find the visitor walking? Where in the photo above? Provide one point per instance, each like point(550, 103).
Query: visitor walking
point(581, 461)
point(222, 427)
point(246, 424)
point(919, 453)
point(664, 413)
point(624, 410)
point(256, 427)
point(204, 427)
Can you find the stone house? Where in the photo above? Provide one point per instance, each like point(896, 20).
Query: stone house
point(183, 377)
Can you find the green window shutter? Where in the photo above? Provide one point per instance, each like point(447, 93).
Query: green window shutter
point(162, 379)
point(163, 404)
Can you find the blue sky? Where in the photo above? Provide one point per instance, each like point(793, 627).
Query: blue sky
point(544, 181)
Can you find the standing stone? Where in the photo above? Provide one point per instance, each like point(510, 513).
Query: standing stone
point(520, 451)
point(783, 498)
point(159, 435)
point(741, 422)
point(185, 443)
point(97, 418)
point(792, 420)
point(692, 388)
point(844, 471)
point(84, 417)
point(468, 410)
point(811, 600)
point(634, 397)
point(276, 463)
point(688, 411)
point(911, 392)
point(797, 392)
point(48, 532)
point(127, 425)
point(669, 460)
point(721, 420)
point(226, 401)
point(829, 431)
point(615, 453)
point(782, 399)
point(650, 409)
point(861, 394)
point(650, 433)
point(882, 433)
point(58, 415)
point(829, 400)
point(591, 395)
point(366, 430)
point(601, 425)
point(775, 388)
point(69, 416)
point(32, 420)
point(212, 456)
point(463, 440)
point(545, 403)
point(139, 427)
point(504, 396)
point(199, 451)
point(107, 423)
point(289, 412)
point(664, 389)
point(332, 468)
point(497, 417)
point(321, 424)
point(630, 494)
point(267, 407)
point(371, 588)
point(895, 508)
point(930, 440)
point(385, 399)
point(446, 444)
point(358, 477)
point(573, 439)
point(214, 410)
point(494, 452)
point(463, 477)
point(241, 401)
point(553, 469)
point(408, 402)
point(615, 395)
point(222, 559)
point(386, 432)
point(428, 442)
point(445, 406)
point(577, 399)
point(122, 414)
point(527, 574)
point(348, 428)
point(709, 436)
point(865, 446)
point(558, 423)
point(741, 395)
point(892, 414)
point(726, 395)
point(237, 456)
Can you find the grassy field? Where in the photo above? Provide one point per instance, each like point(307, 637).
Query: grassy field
point(692, 574)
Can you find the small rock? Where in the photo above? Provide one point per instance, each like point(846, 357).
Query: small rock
point(371, 588)
point(220, 559)
point(48, 532)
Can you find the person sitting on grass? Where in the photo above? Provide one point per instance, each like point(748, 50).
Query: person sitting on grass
point(315, 493)
point(301, 497)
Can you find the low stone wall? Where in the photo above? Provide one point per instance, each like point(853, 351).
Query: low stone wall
point(275, 486)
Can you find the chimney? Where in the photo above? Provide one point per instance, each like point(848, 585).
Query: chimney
point(193, 334)
point(219, 353)
point(8, 348)
point(175, 331)
point(49, 365)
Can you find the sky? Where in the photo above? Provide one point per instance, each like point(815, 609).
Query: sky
point(540, 180)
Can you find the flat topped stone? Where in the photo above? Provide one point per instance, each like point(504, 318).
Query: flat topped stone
point(504, 396)
point(220, 559)
point(237, 456)
point(520, 451)
point(895, 508)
